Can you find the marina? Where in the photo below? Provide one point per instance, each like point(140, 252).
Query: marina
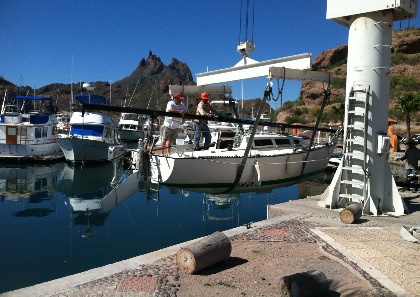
point(52, 224)
point(286, 203)
point(140, 236)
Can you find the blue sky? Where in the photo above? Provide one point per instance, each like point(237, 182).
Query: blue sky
point(44, 42)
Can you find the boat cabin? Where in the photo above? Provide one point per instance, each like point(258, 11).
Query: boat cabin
point(267, 141)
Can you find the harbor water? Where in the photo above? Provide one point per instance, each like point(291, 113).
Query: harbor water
point(52, 224)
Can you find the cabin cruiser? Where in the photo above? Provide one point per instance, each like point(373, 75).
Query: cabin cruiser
point(28, 130)
point(91, 134)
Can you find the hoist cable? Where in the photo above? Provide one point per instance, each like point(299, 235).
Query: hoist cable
point(240, 22)
point(253, 20)
point(247, 13)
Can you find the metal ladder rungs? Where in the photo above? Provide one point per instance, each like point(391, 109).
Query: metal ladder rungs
point(362, 90)
point(356, 140)
point(355, 169)
point(352, 183)
point(357, 113)
point(359, 155)
point(362, 99)
point(356, 127)
point(351, 196)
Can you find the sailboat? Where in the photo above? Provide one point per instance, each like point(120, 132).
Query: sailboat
point(254, 162)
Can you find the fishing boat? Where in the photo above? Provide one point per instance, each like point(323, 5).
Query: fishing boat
point(28, 129)
point(256, 164)
point(91, 134)
point(131, 127)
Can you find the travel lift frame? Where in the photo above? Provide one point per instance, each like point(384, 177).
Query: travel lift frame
point(364, 175)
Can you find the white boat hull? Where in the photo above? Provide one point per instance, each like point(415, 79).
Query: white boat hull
point(84, 150)
point(31, 152)
point(217, 174)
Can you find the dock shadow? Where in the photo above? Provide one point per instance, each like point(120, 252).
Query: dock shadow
point(218, 267)
point(412, 203)
point(361, 221)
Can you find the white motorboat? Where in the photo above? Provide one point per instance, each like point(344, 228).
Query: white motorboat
point(273, 160)
point(91, 134)
point(131, 127)
point(28, 130)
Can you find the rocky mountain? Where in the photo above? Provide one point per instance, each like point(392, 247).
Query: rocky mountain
point(146, 86)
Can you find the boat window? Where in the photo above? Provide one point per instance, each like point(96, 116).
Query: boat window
point(87, 130)
point(11, 131)
point(22, 131)
point(132, 117)
point(10, 108)
point(263, 142)
point(41, 184)
point(44, 132)
point(297, 141)
point(38, 132)
point(282, 141)
point(107, 132)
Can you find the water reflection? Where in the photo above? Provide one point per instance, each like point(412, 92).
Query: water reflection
point(30, 189)
point(85, 186)
point(223, 207)
point(52, 223)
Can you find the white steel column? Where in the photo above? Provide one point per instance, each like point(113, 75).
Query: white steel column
point(368, 67)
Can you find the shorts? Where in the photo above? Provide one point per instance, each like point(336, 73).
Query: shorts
point(169, 134)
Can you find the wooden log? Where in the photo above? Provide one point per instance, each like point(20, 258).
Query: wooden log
point(305, 284)
point(208, 251)
point(351, 213)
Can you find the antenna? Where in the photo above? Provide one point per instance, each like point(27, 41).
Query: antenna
point(110, 93)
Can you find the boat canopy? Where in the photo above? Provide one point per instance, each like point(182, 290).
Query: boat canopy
point(33, 98)
point(96, 99)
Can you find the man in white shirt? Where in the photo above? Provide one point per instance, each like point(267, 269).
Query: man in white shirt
point(171, 125)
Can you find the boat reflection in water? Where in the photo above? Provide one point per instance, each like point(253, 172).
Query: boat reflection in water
point(85, 186)
point(223, 207)
point(30, 189)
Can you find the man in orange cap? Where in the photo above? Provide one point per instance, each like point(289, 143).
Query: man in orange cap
point(200, 126)
point(171, 125)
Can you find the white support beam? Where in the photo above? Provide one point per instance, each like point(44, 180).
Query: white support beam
point(199, 89)
point(298, 74)
point(341, 11)
point(252, 70)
